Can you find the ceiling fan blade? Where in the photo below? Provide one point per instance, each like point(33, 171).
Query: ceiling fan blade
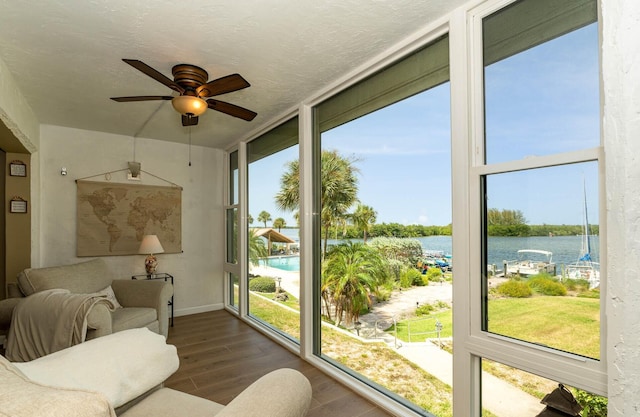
point(156, 75)
point(189, 120)
point(233, 82)
point(231, 109)
point(140, 98)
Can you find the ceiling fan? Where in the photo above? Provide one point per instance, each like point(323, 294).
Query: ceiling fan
point(191, 82)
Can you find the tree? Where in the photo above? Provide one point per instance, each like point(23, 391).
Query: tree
point(363, 219)
point(257, 248)
point(279, 223)
point(350, 273)
point(250, 219)
point(506, 223)
point(264, 217)
point(338, 192)
point(505, 217)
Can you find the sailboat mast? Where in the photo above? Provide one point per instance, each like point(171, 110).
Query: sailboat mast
point(586, 238)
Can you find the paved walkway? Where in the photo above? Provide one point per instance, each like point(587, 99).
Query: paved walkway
point(500, 397)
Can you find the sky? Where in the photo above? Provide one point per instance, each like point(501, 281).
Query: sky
point(539, 102)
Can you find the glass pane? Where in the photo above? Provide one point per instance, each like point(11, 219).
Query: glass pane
point(233, 290)
point(385, 291)
point(508, 391)
point(542, 257)
point(541, 85)
point(233, 178)
point(232, 235)
point(274, 261)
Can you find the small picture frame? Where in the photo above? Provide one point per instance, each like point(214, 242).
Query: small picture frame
point(18, 205)
point(17, 169)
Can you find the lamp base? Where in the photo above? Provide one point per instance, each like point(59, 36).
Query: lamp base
point(150, 264)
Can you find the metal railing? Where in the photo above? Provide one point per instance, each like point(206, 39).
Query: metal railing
point(437, 329)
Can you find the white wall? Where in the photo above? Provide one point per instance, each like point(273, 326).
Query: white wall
point(621, 128)
point(198, 270)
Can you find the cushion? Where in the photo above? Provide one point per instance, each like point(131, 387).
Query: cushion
point(109, 295)
point(20, 397)
point(81, 278)
point(167, 402)
point(132, 317)
point(122, 365)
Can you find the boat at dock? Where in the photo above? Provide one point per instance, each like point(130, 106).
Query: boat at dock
point(585, 267)
point(531, 262)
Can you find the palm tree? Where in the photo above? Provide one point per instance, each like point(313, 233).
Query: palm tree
point(338, 192)
point(350, 273)
point(257, 248)
point(279, 223)
point(250, 219)
point(363, 219)
point(265, 217)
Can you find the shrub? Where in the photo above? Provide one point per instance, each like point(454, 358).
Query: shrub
point(383, 293)
point(434, 275)
point(514, 289)
point(545, 284)
point(576, 284)
point(593, 405)
point(410, 277)
point(394, 268)
point(407, 251)
point(262, 284)
point(424, 309)
point(416, 277)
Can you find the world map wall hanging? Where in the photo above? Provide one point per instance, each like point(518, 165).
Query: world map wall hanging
point(113, 217)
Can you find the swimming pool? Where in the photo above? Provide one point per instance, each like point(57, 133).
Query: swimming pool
point(286, 263)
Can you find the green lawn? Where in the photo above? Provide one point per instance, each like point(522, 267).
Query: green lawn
point(281, 318)
point(421, 325)
point(571, 324)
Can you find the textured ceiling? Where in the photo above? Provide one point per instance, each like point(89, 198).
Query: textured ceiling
point(66, 55)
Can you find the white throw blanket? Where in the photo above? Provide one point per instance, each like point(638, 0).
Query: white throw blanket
point(48, 321)
point(122, 365)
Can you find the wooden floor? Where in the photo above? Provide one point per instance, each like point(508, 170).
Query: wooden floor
point(220, 356)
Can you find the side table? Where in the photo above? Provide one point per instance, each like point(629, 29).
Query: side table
point(159, 275)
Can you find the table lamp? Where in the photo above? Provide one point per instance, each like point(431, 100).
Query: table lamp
point(150, 245)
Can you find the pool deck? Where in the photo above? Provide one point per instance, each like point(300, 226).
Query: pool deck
point(290, 279)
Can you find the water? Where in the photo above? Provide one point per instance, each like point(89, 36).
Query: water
point(566, 249)
point(286, 263)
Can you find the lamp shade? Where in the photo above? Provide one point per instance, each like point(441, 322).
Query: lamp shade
point(150, 245)
point(189, 105)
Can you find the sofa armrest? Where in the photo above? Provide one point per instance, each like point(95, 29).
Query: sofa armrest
point(146, 293)
point(99, 321)
point(281, 393)
point(6, 312)
point(122, 365)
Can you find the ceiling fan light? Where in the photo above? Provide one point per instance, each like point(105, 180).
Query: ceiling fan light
point(189, 105)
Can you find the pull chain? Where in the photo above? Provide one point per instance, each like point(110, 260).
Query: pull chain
point(189, 145)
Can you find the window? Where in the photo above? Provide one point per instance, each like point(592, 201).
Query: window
point(273, 250)
point(231, 220)
point(536, 177)
point(385, 200)
point(509, 150)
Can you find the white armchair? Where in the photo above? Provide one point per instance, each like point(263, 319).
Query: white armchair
point(122, 374)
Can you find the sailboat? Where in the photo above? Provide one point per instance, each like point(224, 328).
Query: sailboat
point(585, 267)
